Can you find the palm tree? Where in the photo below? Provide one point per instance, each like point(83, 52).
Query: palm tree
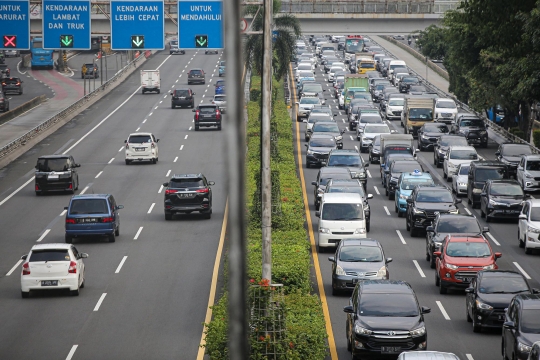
point(288, 29)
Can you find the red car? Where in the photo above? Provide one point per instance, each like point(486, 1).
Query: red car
point(460, 259)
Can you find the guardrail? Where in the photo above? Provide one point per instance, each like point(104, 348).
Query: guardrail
point(15, 144)
point(359, 7)
point(13, 113)
point(494, 127)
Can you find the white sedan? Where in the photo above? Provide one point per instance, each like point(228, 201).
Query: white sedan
point(52, 267)
point(455, 156)
point(460, 179)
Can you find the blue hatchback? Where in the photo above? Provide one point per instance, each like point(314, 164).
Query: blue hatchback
point(92, 215)
point(405, 186)
point(221, 68)
point(220, 87)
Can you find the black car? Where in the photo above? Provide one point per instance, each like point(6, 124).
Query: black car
point(444, 142)
point(352, 160)
point(207, 115)
point(329, 128)
point(196, 76)
point(187, 193)
point(4, 71)
point(429, 134)
point(424, 203)
point(351, 186)
point(56, 173)
point(13, 85)
point(521, 327)
point(384, 319)
point(211, 51)
point(450, 224)
point(374, 150)
point(473, 128)
point(406, 82)
point(417, 89)
point(89, 71)
point(510, 154)
point(387, 161)
point(4, 102)
point(318, 148)
point(323, 177)
point(182, 97)
point(490, 294)
point(501, 199)
point(357, 260)
point(395, 170)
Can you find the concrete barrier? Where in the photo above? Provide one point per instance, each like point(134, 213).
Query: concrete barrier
point(21, 109)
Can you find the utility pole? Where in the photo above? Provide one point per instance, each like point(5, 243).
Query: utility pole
point(266, 178)
point(101, 58)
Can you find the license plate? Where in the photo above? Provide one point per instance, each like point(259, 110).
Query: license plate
point(139, 149)
point(49, 282)
point(182, 98)
point(185, 195)
point(89, 220)
point(465, 279)
point(390, 349)
point(53, 177)
point(510, 211)
point(501, 317)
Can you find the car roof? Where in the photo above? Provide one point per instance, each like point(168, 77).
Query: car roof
point(345, 198)
point(488, 163)
point(90, 196)
point(51, 246)
point(325, 122)
point(187, 176)
point(196, 69)
point(421, 175)
point(321, 136)
point(54, 157)
point(333, 170)
point(427, 355)
point(431, 187)
point(503, 181)
point(529, 301)
point(140, 133)
point(344, 151)
point(532, 157)
point(363, 242)
point(499, 274)
point(453, 216)
point(345, 182)
point(385, 287)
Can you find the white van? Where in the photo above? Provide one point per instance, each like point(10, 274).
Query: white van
point(395, 64)
point(150, 81)
point(341, 216)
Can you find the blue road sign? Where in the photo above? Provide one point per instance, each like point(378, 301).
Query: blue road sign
point(200, 24)
point(137, 24)
point(66, 24)
point(15, 24)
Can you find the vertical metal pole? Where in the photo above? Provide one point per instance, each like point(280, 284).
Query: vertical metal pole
point(106, 74)
point(84, 86)
point(101, 58)
point(236, 151)
point(266, 181)
point(427, 59)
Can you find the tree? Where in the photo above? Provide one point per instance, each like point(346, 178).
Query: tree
point(288, 29)
point(432, 42)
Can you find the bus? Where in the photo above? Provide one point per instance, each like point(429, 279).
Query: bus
point(353, 44)
point(40, 56)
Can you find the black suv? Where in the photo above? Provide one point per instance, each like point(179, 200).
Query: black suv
point(521, 327)
point(187, 193)
point(318, 148)
point(92, 71)
point(196, 76)
point(473, 128)
point(429, 134)
point(182, 97)
point(442, 145)
point(510, 154)
point(479, 173)
point(450, 224)
point(406, 83)
point(56, 173)
point(351, 186)
point(376, 309)
point(207, 115)
point(12, 84)
point(352, 160)
point(501, 199)
point(424, 203)
point(4, 102)
point(398, 167)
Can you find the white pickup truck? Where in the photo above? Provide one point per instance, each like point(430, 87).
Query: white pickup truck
point(150, 80)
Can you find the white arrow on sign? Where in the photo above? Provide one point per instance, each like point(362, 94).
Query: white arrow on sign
point(243, 25)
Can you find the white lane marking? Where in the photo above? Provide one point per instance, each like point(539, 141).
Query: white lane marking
point(15, 267)
point(151, 207)
point(343, 120)
point(101, 172)
point(176, 81)
point(121, 264)
point(469, 357)
point(493, 239)
point(352, 138)
point(84, 190)
point(72, 352)
point(144, 121)
point(522, 271)
point(419, 268)
point(101, 298)
point(63, 213)
point(444, 313)
point(138, 233)
point(182, 146)
point(368, 174)
point(122, 148)
point(155, 108)
point(165, 96)
point(190, 128)
point(356, 147)
point(43, 235)
point(202, 96)
point(150, 113)
point(16, 191)
point(387, 211)
point(110, 161)
point(401, 237)
point(467, 210)
point(138, 129)
point(185, 137)
point(160, 189)
point(168, 172)
point(377, 190)
point(339, 112)
point(161, 101)
point(175, 159)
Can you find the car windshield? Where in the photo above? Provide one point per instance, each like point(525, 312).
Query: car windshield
point(322, 142)
point(436, 128)
point(535, 214)
point(434, 196)
point(533, 165)
point(304, 67)
point(88, 206)
point(409, 184)
point(196, 72)
point(322, 111)
point(497, 285)
point(459, 225)
point(348, 189)
point(342, 212)
point(174, 42)
point(313, 119)
point(396, 102)
point(371, 129)
point(396, 305)
point(463, 155)
point(468, 249)
point(409, 80)
point(446, 105)
point(371, 120)
point(326, 128)
point(486, 174)
point(207, 109)
point(472, 123)
point(312, 88)
point(220, 98)
point(464, 170)
point(49, 255)
point(48, 165)
point(359, 253)
point(345, 160)
point(421, 114)
point(309, 100)
point(516, 150)
point(140, 139)
point(453, 141)
point(367, 65)
point(381, 86)
point(186, 183)
point(361, 95)
point(530, 321)
point(506, 190)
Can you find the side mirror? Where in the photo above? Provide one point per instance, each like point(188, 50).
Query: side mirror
point(125, 141)
point(409, 201)
point(369, 196)
point(425, 310)
point(65, 207)
point(193, 110)
point(506, 325)
point(389, 260)
point(469, 290)
point(458, 201)
point(366, 165)
point(170, 92)
point(430, 229)
point(437, 253)
point(350, 310)
point(343, 131)
point(535, 291)
point(331, 259)
point(497, 153)
point(165, 184)
point(314, 183)
point(77, 165)
point(485, 229)
point(119, 207)
point(211, 183)
point(24, 257)
point(498, 255)
point(522, 217)
point(335, 114)
point(157, 140)
point(483, 194)
point(306, 145)
point(194, 93)
point(83, 255)
point(527, 196)
point(317, 213)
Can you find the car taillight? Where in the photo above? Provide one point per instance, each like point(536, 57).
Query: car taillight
point(167, 192)
point(4, 84)
point(205, 191)
point(153, 145)
point(72, 267)
point(70, 221)
point(70, 187)
point(197, 115)
point(107, 219)
point(26, 269)
point(18, 83)
point(37, 186)
point(218, 114)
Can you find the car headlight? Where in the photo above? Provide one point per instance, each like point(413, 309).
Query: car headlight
point(419, 331)
point(366, 140)
point(494, 203)
point(529, 176)
point(483, 132)
point(521, 347)
point(450, 165)
point(360, 231)
point(455, 211)
point(382, 272)
point(489, 267)
point(483, 306)
point(462, 184)
point(533, 230)
point(441, 151)
point(452, 267)
point(477, 191)
point(324, 230)
point(418, 212)
point(425, 137)
point(363, 331)
point(309, 152)
point(437, 244)
point(339, 137)
point(403, 197)
point(375, 151)
point(394, 179)
point(340, 271)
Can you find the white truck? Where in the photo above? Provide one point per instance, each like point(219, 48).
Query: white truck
point(150, 81)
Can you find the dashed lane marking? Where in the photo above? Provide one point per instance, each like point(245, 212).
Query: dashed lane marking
point(401, 237)
point(419, 268)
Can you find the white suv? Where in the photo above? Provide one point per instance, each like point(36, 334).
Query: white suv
point(141, 147)
point(529, 226)
point(455, 156)
point(445, 110)
point(52, 267)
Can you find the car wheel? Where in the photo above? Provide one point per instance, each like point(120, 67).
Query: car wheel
point(334, 290)
point(196, 127)
point(168, 216)
point(437, 280)
point(349, 345)
point(521, 242)
point(154, 161)
point(407, 224)
point(391, 196)
point(172, 106)
point(117, 231)
point(488, 218)
point(207, 215)
point(112, 238)
point(432, 261)
point(482, 213)
point(528, 251)
point(413, 232)
point(386, 191)
point(82, 284)
point(477, 328)
point(444, 175)
point(74, 292)
point(469, 318)
point(68, 239)
point(308, 165)
point(435, 162)
point(368, 225)
point(442, 289)
point(128, 162)
point(219, 127)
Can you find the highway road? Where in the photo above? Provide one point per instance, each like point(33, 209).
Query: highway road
point(145, 295)
point(447, 327)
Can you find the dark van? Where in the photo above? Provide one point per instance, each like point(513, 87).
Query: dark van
point(479, 173)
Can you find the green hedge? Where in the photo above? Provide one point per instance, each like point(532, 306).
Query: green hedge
point(291, 260)
point(536, 138)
